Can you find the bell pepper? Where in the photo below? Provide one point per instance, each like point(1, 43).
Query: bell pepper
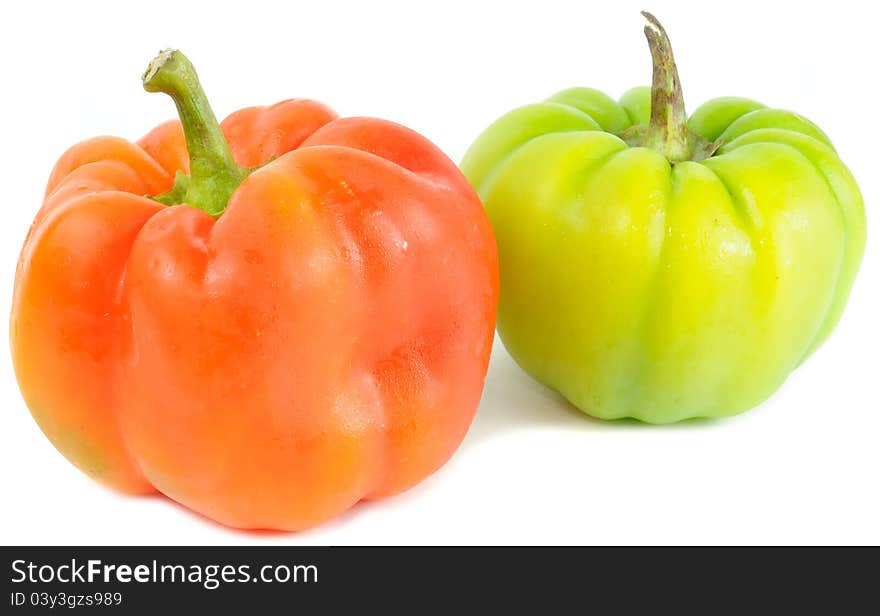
point(662, 267)
point(266, 320)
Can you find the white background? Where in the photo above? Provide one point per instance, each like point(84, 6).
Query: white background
point(802, 468)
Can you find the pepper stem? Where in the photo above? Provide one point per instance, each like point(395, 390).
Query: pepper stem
point(214, 175)
point(667, 130)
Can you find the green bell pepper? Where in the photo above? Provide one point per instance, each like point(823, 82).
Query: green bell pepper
point(660, 267)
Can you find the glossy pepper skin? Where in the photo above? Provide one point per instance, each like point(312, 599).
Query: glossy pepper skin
point(659, 267)
point(320, 339)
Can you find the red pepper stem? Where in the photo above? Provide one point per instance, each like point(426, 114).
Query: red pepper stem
point(214, 175)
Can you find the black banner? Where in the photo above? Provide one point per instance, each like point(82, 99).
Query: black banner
point(267, 580)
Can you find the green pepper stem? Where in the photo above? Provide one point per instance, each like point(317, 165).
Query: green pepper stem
point(668, 130)
point(214, 175)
